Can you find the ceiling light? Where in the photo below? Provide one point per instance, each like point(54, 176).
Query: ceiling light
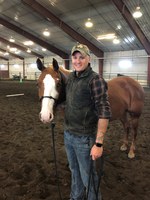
point(118, 27)
point(13, 49)
point(43, 49)
point(12, 39)
point(6, 53)
point(28, 50)
point(89, 23)
point(116, 41)
point(107, 36)
point(129, 39)
point(28, 43)
point(53, 3)
point(137, 12)
point(17, 52)
point(46, 33)
point(16, 18)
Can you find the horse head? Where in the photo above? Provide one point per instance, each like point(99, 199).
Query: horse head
point(51, 88)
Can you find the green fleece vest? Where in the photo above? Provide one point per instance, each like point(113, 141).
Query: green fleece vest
point(80, 114)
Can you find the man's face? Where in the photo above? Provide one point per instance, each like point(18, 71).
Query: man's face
point(80, 62)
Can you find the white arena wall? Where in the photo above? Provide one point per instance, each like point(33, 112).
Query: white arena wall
point(130, 63)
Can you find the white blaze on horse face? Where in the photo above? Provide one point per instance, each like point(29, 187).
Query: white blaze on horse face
point(46, 113)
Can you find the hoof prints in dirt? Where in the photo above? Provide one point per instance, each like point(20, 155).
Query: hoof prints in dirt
point(27, 170)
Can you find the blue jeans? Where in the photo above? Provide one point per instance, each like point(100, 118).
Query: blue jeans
point(80, 163)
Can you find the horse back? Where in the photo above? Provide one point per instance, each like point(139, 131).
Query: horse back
point(125, 95)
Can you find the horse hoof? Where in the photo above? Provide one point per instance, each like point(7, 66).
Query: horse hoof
point(131, 155)
point(123, 147)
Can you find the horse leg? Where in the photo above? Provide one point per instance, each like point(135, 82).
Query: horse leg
point(126, 126)
point(134, 127)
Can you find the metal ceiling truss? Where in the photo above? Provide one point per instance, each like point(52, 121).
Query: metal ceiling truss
point(19, 47)
point(66, 28)
point(133, 24)
point(49, 16)
point(3, 58)
point(12, 54)
point(46, 14)
point(34, 38)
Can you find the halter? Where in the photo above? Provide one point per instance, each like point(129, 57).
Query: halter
point(61, 83)
point(50, 97)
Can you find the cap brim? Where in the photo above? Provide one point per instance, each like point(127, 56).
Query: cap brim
point(82, 52)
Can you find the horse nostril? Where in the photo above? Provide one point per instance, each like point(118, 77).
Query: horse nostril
point(51, 117)
point(47, 118)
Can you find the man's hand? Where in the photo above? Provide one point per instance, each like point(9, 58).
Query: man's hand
point(96, 152)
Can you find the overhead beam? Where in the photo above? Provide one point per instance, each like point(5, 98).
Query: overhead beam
point(12, 54)
point(1, 57)
point(133, 24)
point(66, 28)
point(34, 38)
point(19, 47)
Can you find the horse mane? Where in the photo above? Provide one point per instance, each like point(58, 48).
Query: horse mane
point(64, 70)
point(61, 69)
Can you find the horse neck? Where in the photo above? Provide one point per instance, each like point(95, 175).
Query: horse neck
point(62, 94)
point(65, 73)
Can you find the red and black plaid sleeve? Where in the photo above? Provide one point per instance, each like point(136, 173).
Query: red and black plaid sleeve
point(100, 97)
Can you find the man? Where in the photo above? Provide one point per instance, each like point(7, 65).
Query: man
point(87, 115)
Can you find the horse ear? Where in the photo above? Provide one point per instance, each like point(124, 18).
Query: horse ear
point(40, 64)
point(55, 64)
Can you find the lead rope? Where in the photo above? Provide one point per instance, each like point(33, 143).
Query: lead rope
point(55, 160)
point(100, 173)
point(91, 176)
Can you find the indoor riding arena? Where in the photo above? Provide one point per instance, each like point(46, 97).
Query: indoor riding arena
point(36, 58)
point(27, 167)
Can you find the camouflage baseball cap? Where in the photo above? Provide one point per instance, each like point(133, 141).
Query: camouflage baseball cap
point(82, 48)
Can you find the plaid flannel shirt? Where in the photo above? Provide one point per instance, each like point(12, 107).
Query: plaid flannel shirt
point(100, 97)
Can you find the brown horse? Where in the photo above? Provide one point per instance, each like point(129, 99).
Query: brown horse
point(125, 94)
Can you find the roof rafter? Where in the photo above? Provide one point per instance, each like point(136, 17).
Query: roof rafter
point(12, 54)
point(133, 24)
point(66, 28)
point(19, 47)
point(34, 38)
point(1, 57)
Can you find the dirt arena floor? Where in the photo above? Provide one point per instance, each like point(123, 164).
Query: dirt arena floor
point(27, 168)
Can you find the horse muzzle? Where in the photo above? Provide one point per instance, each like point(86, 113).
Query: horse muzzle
point(46, 118)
